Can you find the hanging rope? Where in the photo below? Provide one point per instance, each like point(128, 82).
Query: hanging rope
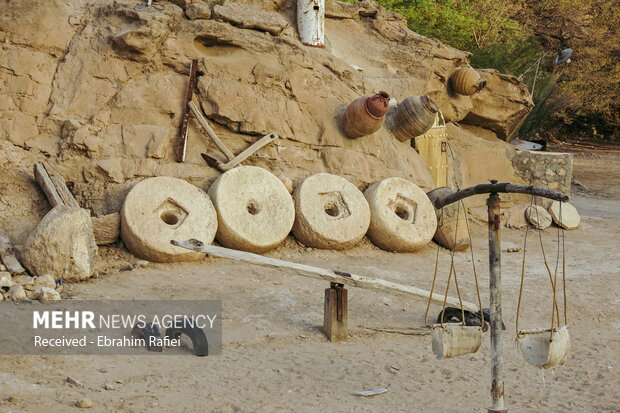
point(428, 304)
point(473, 263)
point(555, 313)
point(453, 271)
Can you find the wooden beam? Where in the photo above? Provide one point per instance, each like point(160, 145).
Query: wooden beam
point(340, 277)
point(54, 186)
point(107, 228)
point(205, 125)
point(495, 187)
point(7, 255)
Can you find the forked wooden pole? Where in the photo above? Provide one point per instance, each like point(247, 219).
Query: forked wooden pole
point(334, 276)
point(495, 269)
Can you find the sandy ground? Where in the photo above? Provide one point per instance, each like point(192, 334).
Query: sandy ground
point(275, 357)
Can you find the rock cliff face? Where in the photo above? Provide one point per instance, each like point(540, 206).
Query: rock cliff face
point(96, 89)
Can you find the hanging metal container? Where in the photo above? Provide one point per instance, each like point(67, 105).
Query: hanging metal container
point(451, 230)
point(543, 349)
point(311, 22)
point(433, 148)
point(453, 340)
point(414, 116)
point(467, 81)
point(365, 115)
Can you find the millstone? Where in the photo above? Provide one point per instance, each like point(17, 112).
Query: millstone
point(330, 212)
point(570, 217)
point(161, 209)
point(255, 211)
point(402, 217)
point(538, 216)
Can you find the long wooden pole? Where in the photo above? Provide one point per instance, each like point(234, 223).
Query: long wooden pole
point(334, 276)
point(205, 125)
point(495, 286)
point(495, 187)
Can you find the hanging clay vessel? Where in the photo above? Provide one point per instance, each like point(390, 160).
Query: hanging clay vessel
point(414, 117)
point(466, 81)
point(365, 115)
point(452, 230)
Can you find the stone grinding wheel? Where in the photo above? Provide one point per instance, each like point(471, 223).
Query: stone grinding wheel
point(570, 217)
point(161, 209)
point(538, 216)
point(330, 212)
point(255, 211)
point(403, 218)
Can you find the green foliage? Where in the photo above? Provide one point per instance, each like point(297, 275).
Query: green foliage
point(546, 103)
point(509, 35)
point(483, 27)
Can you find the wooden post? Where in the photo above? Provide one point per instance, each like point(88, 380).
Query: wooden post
point(335, 313)
point(495, 268)
point(495, 286)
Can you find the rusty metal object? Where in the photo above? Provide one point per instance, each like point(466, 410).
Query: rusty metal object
point(365, 115)
point(414, 117)
point(180, 154)
point(466, 81)
point(311, 22)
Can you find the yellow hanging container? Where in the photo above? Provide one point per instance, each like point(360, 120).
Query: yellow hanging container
point(433, 148)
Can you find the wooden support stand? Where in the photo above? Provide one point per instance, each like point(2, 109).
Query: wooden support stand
point(335, 313)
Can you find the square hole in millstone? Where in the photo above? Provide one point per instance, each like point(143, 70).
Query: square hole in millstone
point(405, 208)
point(171, 213)
point(334, 205)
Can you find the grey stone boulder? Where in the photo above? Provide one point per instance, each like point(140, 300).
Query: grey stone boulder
point(62, 245)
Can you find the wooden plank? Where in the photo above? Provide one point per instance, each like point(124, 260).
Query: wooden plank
point(249, 151)
point(182, 146)
point(7, 255)
point(61, 188)
point(107, 228)
point(54, 186)
point(205, 125)
point(46, 184)
point(334, 276)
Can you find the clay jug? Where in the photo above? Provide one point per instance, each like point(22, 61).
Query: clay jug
point(451, 232)
point(414, 117)
point(466, 81)
point(365, 115)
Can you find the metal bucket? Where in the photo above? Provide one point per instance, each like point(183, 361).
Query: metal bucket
point(454, 340)
point(539, 350)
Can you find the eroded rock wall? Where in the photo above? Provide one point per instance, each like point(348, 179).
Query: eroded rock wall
point(96, 89)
